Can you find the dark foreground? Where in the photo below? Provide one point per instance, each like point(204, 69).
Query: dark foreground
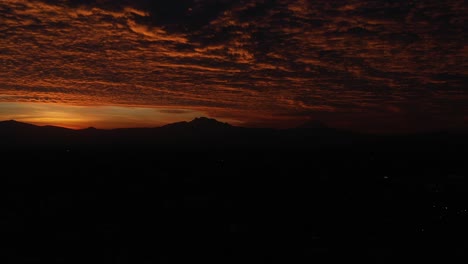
point(373, 201)
point(318, 206)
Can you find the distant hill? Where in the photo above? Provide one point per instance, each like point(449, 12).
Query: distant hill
point(201, 132)
point(17, 133)
point(15, 126)
point(200, 124)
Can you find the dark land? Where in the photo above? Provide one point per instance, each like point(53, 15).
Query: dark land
point(205, 191)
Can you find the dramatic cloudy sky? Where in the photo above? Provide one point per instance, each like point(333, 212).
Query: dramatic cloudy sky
point(373, 65)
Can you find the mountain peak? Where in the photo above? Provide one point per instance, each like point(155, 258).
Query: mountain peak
point(14, 123)
point(11, 121)
point(200, 123)
point(206, 121)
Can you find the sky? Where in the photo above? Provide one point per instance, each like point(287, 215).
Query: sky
point(366, 65)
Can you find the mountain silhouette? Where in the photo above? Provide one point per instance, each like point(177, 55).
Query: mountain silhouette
point(14, 131)
point(89, 129)
point(97, 184)
point(201, 132)
point(200, 124)
point(13, 124)
point(208, 122)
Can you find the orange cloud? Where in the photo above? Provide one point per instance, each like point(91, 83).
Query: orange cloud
point(260, 60)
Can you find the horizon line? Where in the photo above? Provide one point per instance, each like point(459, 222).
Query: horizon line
point(460, 131)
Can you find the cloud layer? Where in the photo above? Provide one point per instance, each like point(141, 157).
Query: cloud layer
point(277, 62)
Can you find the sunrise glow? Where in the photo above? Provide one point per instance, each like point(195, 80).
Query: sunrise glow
point(351, 64)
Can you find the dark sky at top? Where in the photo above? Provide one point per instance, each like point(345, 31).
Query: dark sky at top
point(366, 65)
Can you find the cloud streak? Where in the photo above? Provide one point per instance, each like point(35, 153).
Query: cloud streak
point(247, 60)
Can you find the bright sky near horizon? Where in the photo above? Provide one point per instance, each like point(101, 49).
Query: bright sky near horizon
point(372, 65)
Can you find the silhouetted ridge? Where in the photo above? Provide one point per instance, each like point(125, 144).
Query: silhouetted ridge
point(26, 127)
point(207, 122)
point(90, 129)
point(15, 124)
point(199, 123)
point(201, 132)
